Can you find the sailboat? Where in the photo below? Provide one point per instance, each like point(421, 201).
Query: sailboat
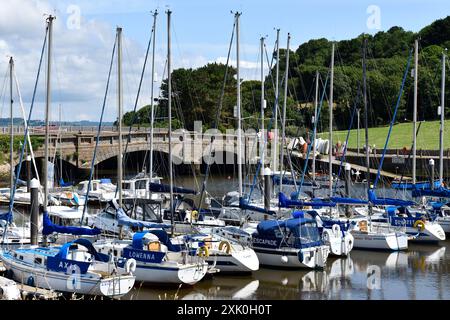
point(290, 243)
point(366, 234)
point(159, 258)
point(399, 213)
point(74, 267)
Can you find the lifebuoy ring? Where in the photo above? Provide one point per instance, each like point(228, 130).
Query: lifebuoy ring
point(227, 246)
point(419, 224)
point(130, 266)
point(203, 251)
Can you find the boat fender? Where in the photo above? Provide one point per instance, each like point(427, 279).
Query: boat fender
point(419, 224)
point(227, 246)
point(194, 215)
point(284, 259)
point(336, 230)
point(130, 266)
point(203, 251)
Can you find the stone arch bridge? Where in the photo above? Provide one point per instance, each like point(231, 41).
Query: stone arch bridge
point(76, 145)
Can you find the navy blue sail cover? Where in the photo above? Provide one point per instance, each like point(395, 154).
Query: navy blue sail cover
point(342, 200)
point(50, 227)
point(7, 216)
point(439, 192)
point(164, 238)
point(165, 188)
point(388, 201)
point(419, 185)
point(61, 263)
point(305, 231)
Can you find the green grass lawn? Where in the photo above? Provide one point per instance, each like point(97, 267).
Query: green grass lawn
point(401, 136)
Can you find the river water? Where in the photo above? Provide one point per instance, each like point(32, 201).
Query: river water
point(422, 272)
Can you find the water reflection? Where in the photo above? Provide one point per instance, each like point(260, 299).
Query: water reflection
point(419, 273)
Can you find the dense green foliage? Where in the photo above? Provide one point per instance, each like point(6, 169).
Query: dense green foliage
point(36, 142)
point(197, 92)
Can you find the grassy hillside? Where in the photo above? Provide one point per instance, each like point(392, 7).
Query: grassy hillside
point(428, 137)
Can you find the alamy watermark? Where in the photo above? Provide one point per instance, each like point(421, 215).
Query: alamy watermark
point(216, 147)
point(373, 22)
point(73, 21)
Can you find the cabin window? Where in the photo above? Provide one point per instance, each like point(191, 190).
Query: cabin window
point(309, 233)
point(80, 187)
point(126, 186)
point(115, 252)
point(141, 184)
point(38, 260)
point(15, 255)
point(21, 257)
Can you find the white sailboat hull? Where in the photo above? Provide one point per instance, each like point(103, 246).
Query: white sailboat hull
point(89, 284)
point(241, 261)
point(380, 241)
point(312, 258)
point(444, 222)
point(170, 273)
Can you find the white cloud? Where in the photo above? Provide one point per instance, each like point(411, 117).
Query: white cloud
point(81, 57)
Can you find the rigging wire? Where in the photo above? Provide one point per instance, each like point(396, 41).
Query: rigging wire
point(11, 201)
point(98, 131)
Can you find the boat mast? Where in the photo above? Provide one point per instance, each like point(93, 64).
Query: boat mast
point(275, 115)
point(316, 101)
point(283, 123)
point(416, 66)
point(11, 131)
point(441, 131)
point(119, 111)
point(366, 124)
point(169, 105)
point(239, 133)
point(60, 147)
point(152, 117)
point(263, 106)
point(330, 151)
point(47, 108)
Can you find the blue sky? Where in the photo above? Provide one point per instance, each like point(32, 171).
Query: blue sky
point(201, 32)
